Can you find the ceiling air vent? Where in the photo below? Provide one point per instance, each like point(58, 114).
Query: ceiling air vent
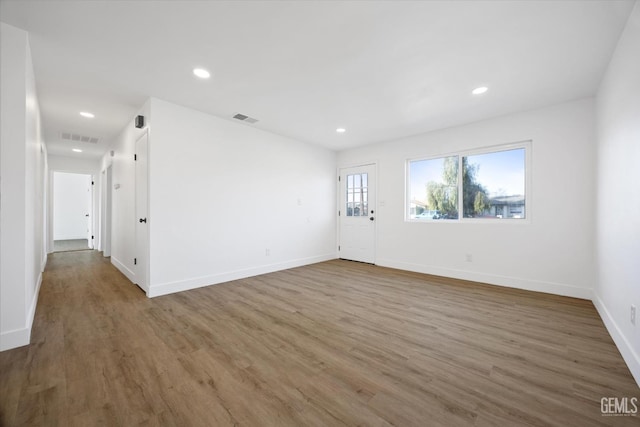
point(74, 137)
point(244, 118)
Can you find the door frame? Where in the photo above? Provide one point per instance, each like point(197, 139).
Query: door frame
point(91, 226)
point(51, 195)
point(106, 210)
point(373, 163)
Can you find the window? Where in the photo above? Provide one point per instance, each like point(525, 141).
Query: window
point(434, 188)
point(357, 197)
point(491, 183)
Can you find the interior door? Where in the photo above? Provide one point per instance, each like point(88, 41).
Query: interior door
point(88, 215)
point(357, 213)
point(106, 247)
point(142, 222)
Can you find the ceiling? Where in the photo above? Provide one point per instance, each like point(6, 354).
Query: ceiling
point(380, 69)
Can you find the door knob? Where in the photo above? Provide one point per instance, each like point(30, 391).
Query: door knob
point(143, 219)
point(86, 215)
point(371, 218)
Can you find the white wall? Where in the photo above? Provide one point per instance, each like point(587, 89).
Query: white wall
point(23, 174)
point(77, 165)
point(222, 193)
point(71, 202)
point(13, 225)
point(35, 189)
point(123, 198)
point(618, 195)
point(550, 252)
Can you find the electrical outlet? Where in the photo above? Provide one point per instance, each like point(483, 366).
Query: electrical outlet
point(469, 258)
point(267, 252)
point(633, 314)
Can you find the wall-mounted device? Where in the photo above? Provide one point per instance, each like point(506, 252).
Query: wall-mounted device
point(139, 122)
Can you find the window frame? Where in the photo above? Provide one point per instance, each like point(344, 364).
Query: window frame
point(526, 145)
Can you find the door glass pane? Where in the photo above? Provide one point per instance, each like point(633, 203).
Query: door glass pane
point(357, 198)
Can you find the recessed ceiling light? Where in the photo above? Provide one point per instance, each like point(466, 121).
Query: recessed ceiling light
point(341, 130)
point(87, 115)
point(202, 73)
point(77, 150)
point(480, 90)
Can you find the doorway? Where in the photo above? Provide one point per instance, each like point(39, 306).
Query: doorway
point(357, 210)
point(72, 212)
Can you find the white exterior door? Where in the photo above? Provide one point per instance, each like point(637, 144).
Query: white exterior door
point(357, 213)
point(142, 222)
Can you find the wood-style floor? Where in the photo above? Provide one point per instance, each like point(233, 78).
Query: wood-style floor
point(332, 344)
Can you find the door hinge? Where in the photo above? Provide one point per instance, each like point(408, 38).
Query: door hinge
point(135, 157)
point(338, 213)
point(338, 247)
point(91, 237)
point(135, 261)
point(339, 178)
point(92, 183)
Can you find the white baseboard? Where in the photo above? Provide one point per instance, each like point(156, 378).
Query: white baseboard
point(83, 237)
point(43, 264)
point(34, 302)
point(199, 282)
point(494, 279)
point(123, 269)
point(624, 346)
point(22, 336)
point(144, 288)
point(15, 338)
